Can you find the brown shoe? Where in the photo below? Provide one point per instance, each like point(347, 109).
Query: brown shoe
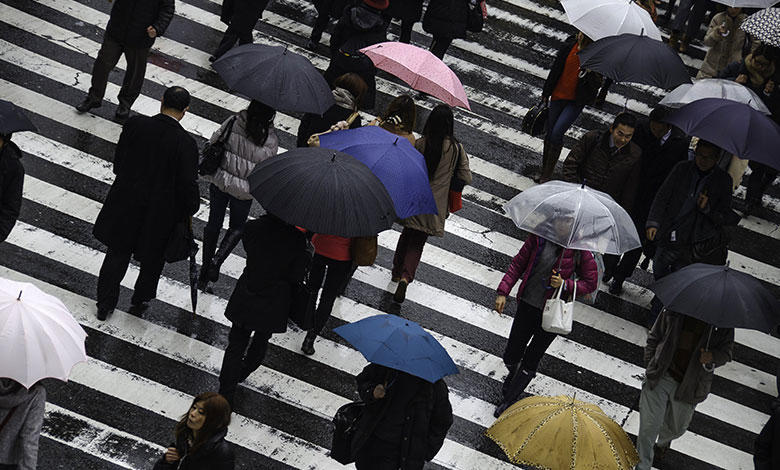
point(684, 42)
point(674, 41)
point(400, 291)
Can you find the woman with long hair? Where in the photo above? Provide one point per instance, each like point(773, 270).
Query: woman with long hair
point(444, 158)
point(399, 118)
point(200, 437)
point(250, 140)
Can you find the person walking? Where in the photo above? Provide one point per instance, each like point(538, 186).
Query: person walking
point(21, 420)
point(445, 157)
point(399, 118)
point(199, 437)
point(409, 12)
point(348, 92)
point(688, 19)
point(725, 40)
point(11, 185)
point(766, 453)
point(244, 14)
point(251, 140)
point(260, 303)
point(326, 9)
point(131, 30)
point(156, 186)
point(445, 20)
point(541, 266)
point(681, 355)
point(404, 422)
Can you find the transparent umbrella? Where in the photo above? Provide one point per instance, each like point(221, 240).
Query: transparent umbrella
point(714, 88)
point(574, 216)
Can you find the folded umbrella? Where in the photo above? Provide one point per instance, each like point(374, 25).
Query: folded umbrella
point(764, 25)
point(12, 119)
point(603, 18)
point(714, 88)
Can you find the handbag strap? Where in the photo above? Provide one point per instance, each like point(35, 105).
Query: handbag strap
point(228, 129)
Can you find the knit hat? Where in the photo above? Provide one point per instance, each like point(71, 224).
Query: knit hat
point(378, 4)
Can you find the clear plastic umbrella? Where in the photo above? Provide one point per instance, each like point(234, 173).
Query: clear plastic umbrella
point(602, 18)
point(574, 216)
point(714, 88)
point(748, 3)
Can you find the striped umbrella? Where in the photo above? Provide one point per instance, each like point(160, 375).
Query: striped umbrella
point(764, 26)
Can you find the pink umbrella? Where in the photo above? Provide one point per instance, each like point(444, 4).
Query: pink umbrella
point(419, 68)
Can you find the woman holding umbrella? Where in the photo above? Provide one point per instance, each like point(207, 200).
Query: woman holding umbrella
point(348, 92)
point(399, 118)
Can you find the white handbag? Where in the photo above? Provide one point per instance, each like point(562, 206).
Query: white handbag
point(558, 315)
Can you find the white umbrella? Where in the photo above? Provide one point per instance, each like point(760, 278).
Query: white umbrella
point(574, 216)
point(714, 88)
point(748, 3)
point(602, 18)
point(39, 338)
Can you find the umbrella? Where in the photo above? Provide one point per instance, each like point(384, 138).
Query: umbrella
point(419, 68)
point(635, 59)
point(735, 127)
point(602, 18)
point(400, 344)
point(39, 338)
point(574, 216)
point(324, 191)
point(720, 296)
point(397, 164)
point(562, 432)
point(12, 119)
point(714, 88)
point(277, 77)
point(193, 271)
point(764, 25)
point(748, 3)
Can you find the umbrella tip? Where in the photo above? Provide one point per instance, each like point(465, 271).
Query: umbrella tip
point(396, 141)
point(583, 183)
point(20, 296)
point(333, 158)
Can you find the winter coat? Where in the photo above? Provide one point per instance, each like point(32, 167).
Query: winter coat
point(588, 84)
point(446, 18)
point(766, 454)
point(426, 411)
point(11, 184)
point(156, 186)
point(735, 69)
point(616, 174)
point(314, 123)
point(433, 224)
point(19, 436)
point(241, 156)
point(722, 50)
point(405, 10)
point(275, 263)
point(214, 454)
point(130, 18)
point(662, 345)
point(522, 264)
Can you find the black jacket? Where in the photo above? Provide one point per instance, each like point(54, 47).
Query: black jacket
point(130, 18)
point(314, 124)
point(588, 84)
point(331, 8)
point(156, 186)
point(359, 26)
point(214, 454)
point(766, 455)
point(409, 10)
point(11, 183)
point(446, 18)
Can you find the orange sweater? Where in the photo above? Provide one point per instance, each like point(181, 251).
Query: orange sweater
point(566, 88)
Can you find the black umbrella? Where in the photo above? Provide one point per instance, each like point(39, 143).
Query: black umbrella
point(324, 191)
point(635, 59)
point(277, 77)
point(12, 119)
point(720, 296)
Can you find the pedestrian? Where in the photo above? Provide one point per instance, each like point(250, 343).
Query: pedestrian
point(404, 422)
point(688, 19)
point(725, 40)
point(199, 437)
point(542, 267)
point(260, 303)
point(409, 12)
point(326, 9)
point(348, 92)
point(445, 20)
point(244, 14)
point(568, 89)
point(21, 420)
point(360, 26)
point(445, 157)
point(131, 30)
point(156, 187)
point(681, 354)
point(766, 454)
point(11, 184)
point(663, 146)
point(399, 118)
point(251, 140)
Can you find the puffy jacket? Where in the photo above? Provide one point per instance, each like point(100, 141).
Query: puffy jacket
point(214, 454)
point(130, 18)
point(11, 185)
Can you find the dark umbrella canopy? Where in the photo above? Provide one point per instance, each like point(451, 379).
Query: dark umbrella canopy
point(720, 296)
point(277, 77)
point(12, 119)
point(735, 127)
point(635, 59)
point(324, 191)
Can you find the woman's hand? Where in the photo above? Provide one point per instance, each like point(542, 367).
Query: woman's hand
point(379, 391)
point(556, 280)
point(741, 79)
point(171, 455)
point(500, 303)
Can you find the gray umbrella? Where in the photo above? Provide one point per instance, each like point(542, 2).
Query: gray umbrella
point(764, 25)
point(714, 88)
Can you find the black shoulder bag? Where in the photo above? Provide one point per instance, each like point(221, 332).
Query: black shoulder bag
point(213, 154)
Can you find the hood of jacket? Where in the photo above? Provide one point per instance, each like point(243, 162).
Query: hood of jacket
point(365, 18)
point(12, 393)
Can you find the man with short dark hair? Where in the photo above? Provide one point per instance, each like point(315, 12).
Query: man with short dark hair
point(156, 187)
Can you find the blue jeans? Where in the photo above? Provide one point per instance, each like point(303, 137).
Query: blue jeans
point(691, 12)
point(562, 115)
point(218, 204)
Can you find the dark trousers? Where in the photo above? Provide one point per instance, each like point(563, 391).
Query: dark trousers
point(408, 252)
point(439, 46)
point(761, 176)
point(689, 17)
point(113, 271)
point(320, 25)
point(562, 114)
point(239, 361)
point(336, 274)
point(218, 204)
point(242, 23)
point(406, 33)
point(527, 340)
point(107, 58)
point(625, 268)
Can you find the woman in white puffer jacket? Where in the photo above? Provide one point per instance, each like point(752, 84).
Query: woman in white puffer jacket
point(251, 140)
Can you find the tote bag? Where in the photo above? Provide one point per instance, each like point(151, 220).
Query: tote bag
point(558, 315)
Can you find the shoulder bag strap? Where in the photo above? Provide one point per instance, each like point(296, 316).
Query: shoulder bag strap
point(228, 129)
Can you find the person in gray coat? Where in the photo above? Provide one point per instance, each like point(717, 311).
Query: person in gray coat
point(21, 419)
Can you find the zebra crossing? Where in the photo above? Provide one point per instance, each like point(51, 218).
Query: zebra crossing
point(118, 409)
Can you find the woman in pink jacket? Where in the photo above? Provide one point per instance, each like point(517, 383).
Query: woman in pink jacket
point(541, 266)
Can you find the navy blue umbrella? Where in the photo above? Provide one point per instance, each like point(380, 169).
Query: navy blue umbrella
point(12, 119)
point(397, 164)
point(400, 344)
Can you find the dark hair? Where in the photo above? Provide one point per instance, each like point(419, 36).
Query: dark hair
point(707, 144)
point(659, 113)
point(176, 98)
point(766, 51)
point(259, 118)
point(217, 411)
point(405, 113)
point(626, 119)
point(440, 125)
point(354, 84)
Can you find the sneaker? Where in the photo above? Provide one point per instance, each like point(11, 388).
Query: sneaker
point(400, 291)
point(88, 104)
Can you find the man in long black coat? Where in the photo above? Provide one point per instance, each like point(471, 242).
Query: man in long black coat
point(11, 183)
point(156, 186)
point(131, 30)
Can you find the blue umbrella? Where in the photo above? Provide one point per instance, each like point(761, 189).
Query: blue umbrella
point(400, 344)
point(397, 164)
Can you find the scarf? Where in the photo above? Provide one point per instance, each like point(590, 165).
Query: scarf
point(757, 78)
point(344, 98)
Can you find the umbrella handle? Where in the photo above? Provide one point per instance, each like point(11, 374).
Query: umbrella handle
point(708, 367)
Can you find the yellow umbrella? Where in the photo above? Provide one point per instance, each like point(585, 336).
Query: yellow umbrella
point(562, 433)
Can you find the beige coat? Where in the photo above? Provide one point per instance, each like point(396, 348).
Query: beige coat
point(723, 50)
point(433, 224)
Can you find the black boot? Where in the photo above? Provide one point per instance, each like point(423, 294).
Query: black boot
point(511, 375)
point(519, 382)
point(209, 248)
point(231, 239)
point(308, 342)
point(550, 160)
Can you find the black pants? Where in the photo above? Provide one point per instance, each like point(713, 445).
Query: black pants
point(761, 176)
point(406, 31)
point(527, 340)
point(439, 46)
point(320, 25)
point(239, 361)
point(336, 274)
point(241, 26)
point(113, 271)
point(107, 58)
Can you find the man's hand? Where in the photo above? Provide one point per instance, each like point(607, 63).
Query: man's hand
point(769, 88)
point(651, 233)
point(151, 32)
point(703, 201)
point(500, 303)
point(741, 79)
point(379, 391)
point(706, 357)
point(171, 455)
